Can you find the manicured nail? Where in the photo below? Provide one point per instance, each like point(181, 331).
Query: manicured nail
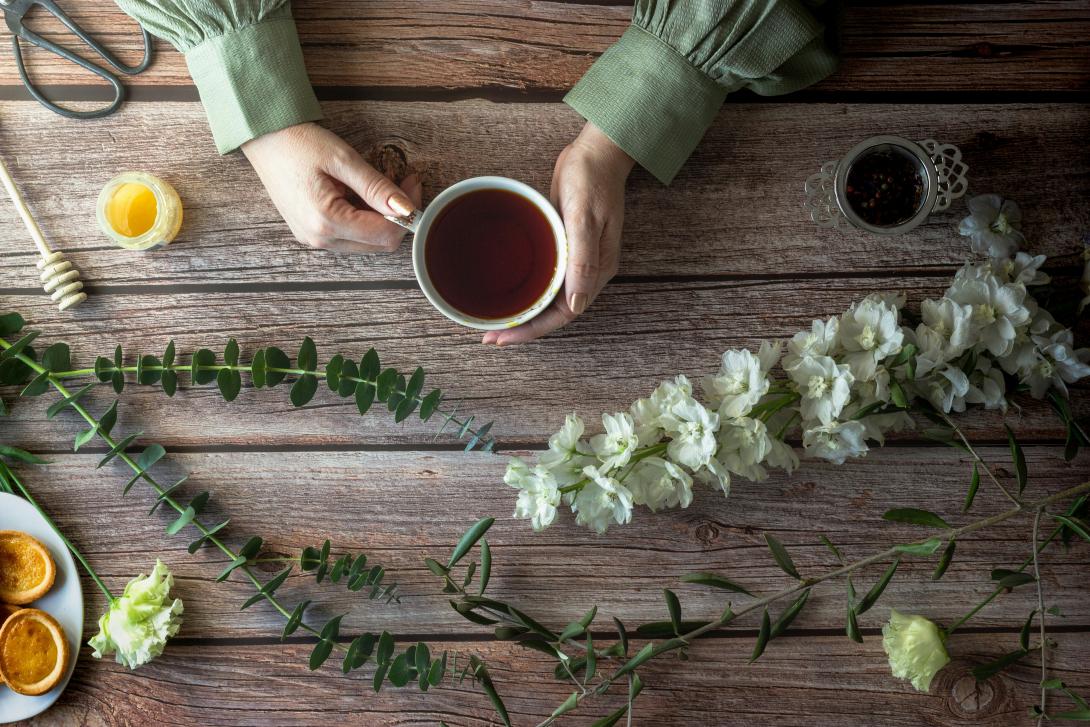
point(578, 303)
point(400, 203)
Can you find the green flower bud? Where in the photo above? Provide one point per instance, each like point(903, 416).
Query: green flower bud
point(916, 648)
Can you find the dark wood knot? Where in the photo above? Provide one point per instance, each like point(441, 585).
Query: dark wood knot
point(390, 159)
point(707, 533)
point(969, 699)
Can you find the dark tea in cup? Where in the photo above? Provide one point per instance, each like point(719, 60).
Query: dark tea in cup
point(488, 252)
point(491, 253)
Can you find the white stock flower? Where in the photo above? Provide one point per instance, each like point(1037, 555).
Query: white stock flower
point(567, 454)
point(659, 483)
point(781, 455)
point(137, 624)
point(820, 340)
point(876, 425)
point(602, 502)
point(869, 332)
point(743, 445)
point(836, 442)
point(741, 382)
point(692, 429)
point(987, 386)
point(614, 447)
point(825, 387)
point(1022, 268)
point(998, 308)
point(951, 320)
point(1058, 364)
point(992, 225)
point(647, 413)
point(946, 389)
point(538, 495)
point(1024, 354)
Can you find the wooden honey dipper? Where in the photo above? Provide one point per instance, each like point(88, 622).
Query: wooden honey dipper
point(59, 277)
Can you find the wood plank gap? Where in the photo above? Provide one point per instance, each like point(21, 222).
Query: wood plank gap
point(504, 94)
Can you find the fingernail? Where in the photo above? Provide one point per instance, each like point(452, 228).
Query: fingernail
point(400, 204)
point(578, 303)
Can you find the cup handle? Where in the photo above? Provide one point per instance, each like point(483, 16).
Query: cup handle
point(410, 222)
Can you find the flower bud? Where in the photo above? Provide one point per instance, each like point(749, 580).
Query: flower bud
point(916, 648)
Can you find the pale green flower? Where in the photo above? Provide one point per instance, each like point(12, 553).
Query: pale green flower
point(916, 648)
point(137, 625)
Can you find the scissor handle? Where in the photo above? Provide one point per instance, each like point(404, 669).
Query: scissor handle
point(21, 31)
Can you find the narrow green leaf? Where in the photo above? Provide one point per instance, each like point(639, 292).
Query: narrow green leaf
point(927, 547)
point(365, 396)
point(295, 620)
point(875, 592)
point(429, 404)
point(986, 671)
point(1013, 580)
point(853, 626)
point(385, 647)
point(196, 544)
point(832, 548)
point(332, 628)
point(569, 704)
point(762, 636)
point(974, 485)
point(369, 366)
point(483, 678)
point(944, 561)
point(1082, 529)
point(897, 394)
point(673, 606)
point(779, 553)
point(1023, 635)
point(912, 516)
point(20, 454)
point(714, 581)
point(333, 372)
point(643, 655)
point(238, 562)
point(258, 372)
point(789, 615)
point(38, 385)
point(170, 382)
point(118, 449)
point(19, 346)
point(229, 383)
point(475, 533)
point(486, 567)
point(165, 495)
point(1019, 459)
point(268, 588)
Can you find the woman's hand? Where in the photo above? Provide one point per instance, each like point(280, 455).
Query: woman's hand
point(315, 180)
point(588, 190)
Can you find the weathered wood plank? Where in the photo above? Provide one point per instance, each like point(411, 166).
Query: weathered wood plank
point(635, 336)
point(738, 202)
point(825, 682)
point(400, 507)
point(547, 46)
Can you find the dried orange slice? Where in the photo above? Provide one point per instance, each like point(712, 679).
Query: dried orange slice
point(33, 652)
point(27, 569)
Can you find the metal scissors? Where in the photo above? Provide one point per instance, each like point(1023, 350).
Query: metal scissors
point(16, 10)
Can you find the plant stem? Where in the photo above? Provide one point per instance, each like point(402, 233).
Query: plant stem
point(999, 589)
point(687, 638)
point(6, 472)
point(984, 465)
point(1040, 612)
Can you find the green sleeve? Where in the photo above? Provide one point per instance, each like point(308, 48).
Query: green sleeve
point(244, 57)
point(658, 89)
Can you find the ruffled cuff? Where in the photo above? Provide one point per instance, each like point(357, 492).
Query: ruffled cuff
point(649, 100)
point(253, 81)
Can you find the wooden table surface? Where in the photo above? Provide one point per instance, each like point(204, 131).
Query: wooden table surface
point(723, 258)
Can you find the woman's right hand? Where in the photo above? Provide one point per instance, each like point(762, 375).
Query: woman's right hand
point(314, 178)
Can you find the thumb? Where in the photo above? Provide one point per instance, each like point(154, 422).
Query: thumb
point(376, 189)
point(581, 280)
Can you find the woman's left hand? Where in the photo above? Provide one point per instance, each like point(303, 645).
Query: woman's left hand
point(588, 191)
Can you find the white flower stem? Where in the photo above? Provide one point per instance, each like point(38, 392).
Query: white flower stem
point(1040, 613)
point(980, 461)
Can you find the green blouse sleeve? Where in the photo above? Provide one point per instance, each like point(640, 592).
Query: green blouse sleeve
point(245, 58)
point(657, 90)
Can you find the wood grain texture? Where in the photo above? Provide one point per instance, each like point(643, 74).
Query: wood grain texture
point(815, 682)
point(635, 336)
point(532, 46)
point(400, 507)
point(738, 201)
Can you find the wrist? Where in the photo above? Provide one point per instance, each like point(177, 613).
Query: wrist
point(288, 135)
point(602, 148)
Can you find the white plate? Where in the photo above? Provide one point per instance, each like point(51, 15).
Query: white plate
point(64, 602)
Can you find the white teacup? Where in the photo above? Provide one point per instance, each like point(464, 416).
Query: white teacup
point(421, 222)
